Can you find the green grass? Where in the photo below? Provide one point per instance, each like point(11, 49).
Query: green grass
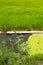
point(21, 15)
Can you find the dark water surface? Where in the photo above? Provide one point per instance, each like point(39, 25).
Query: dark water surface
point(14, 38)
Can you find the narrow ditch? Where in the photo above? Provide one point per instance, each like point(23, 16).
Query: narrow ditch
point(14, 37)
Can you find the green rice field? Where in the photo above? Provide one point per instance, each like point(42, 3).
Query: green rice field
point(21, 15)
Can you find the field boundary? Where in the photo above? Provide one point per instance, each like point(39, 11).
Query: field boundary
point(11, 32)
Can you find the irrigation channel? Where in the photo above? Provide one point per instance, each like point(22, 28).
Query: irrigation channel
point(14, 37)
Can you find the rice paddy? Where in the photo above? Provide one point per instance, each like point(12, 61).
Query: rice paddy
point(21, 15)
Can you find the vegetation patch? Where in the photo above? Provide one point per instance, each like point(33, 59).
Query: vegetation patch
point(35, 44)
point(19, 53)
point(21, 15)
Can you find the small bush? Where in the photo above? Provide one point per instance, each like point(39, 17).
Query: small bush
point(8, 56)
